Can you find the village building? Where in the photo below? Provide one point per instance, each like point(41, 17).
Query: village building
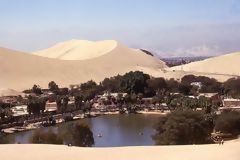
point(230, 103)
point(107, 101)
point(19, 110)
point(197, 84)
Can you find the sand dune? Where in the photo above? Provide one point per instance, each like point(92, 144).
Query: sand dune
point(77, 61)
point(78, 49)
point(21, 70)
point(227, 64)
point(230, 150)
point(9, 92)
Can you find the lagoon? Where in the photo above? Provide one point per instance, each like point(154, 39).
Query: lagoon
point(116, 130)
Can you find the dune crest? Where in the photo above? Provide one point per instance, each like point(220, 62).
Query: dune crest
point(78, 49)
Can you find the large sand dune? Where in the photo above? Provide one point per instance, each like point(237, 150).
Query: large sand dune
point(77, 61)
point(21, 70)
point(78, 49)
point(226, 65)
point(228, 151)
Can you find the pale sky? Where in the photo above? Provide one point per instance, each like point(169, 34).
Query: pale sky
point(167, 27)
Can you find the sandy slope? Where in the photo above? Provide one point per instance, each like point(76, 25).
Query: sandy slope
point(20, 70)
point(226, 64)
point(229, 151)
point(9, 92)
point(78, 49)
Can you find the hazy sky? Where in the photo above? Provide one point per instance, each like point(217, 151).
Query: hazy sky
point(167, 27)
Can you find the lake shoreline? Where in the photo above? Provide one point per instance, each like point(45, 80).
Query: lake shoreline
point(33, 126)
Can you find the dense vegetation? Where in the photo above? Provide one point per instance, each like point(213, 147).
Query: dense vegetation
point(49, 137)
point(183, 127)
point(228, 122)
point(76, 135)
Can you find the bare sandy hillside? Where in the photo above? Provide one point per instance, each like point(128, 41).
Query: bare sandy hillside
point(21, 70)
point(228, 64)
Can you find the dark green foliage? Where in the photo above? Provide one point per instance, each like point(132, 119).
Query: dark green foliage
point(78, 101)
point(88, 85)
point(53, 87)
point(208, 84)
point(49, 137)
point(36, 105)
point(185, 88)
point(62, 103)
point(36, 89)
point(89, 90)
point(79, 135)
point(183, 127)
point(134, 82)
point(232, 87)
point(63, 91)
point(5, 113)
point(76, 134)
point(3, 138)
point(228, 122)
point(111, 84)
point(172, 85)
point(157, 84)
point(188, 79)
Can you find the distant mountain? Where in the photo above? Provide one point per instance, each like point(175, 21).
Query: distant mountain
point(176, 61)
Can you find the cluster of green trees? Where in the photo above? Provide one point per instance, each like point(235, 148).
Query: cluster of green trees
point(36, 105)
point(232, 87)
point(188, 126)
point(76, 134)
point(228, 122)
point(5, 110)
point(183, 127)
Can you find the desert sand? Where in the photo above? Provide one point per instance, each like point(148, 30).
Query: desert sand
point(226, 64)
point(230, 150)
point(78, 61)
point(22, 70)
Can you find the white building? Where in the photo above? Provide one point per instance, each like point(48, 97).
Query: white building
point(19, 110)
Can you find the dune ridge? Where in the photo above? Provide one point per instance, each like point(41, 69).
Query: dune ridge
point(225, 64)
point(78, 49)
